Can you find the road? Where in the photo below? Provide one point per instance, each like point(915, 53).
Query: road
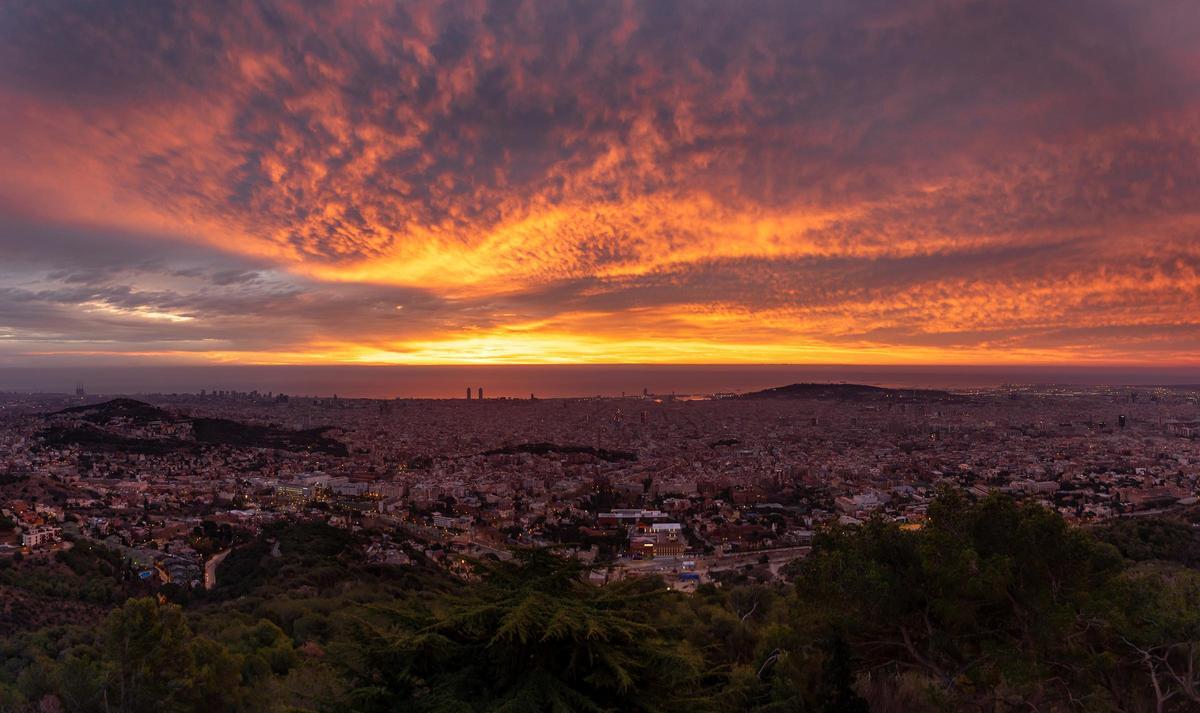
point(210, 569)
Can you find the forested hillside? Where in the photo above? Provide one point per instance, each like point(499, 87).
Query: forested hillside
point(991, 606)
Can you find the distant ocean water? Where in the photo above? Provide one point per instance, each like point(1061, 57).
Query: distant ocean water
point(556, 380)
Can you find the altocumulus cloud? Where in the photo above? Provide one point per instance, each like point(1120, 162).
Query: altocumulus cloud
point(871, 181)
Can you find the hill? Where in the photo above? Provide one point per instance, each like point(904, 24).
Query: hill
point(136, 411)
point(849, 392)
point(134, 426)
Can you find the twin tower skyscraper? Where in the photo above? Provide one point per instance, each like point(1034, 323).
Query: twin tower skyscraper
point(480, 393)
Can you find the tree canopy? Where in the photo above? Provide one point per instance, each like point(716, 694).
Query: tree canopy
point(990, 605)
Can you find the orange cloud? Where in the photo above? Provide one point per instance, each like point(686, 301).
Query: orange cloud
point(479, 182)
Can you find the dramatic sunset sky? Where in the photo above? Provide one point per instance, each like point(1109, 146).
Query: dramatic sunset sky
point(841, 181)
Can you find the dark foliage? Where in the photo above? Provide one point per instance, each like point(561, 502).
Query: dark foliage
point(219, 431)
point(991, 606)
point(93, 437)
point(95, 440)
point(1144, 539)
point(137, 411)
point(544, 448)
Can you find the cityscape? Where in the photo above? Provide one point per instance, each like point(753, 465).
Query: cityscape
point(211, 501)
point(599, 356)
point(694, 489)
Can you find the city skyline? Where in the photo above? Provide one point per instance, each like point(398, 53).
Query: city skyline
point(447, 381)
point(933, 182)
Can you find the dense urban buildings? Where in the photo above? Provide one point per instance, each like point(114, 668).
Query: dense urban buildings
point(690, 487)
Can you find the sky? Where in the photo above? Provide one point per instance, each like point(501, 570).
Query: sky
point(797, 182)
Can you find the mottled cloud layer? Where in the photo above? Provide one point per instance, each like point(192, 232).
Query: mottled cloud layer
point(938, 181)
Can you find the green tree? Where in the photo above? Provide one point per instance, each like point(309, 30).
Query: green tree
point(155, 663)
point(532, 636)
point(1155, 630)
point(146, 645)
point(1143, 539)
point(979, 601)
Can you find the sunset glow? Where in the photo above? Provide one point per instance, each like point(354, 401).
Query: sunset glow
point(947, 182)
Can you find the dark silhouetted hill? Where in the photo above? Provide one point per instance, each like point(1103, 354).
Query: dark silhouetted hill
point(100, 428)
point(849, 392)
point(102, 413)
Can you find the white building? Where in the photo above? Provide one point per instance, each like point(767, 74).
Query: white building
point(39, 536)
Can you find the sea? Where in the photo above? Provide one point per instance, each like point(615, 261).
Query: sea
point(551, 381)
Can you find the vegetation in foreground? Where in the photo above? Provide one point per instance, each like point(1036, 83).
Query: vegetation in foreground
point(992, 606)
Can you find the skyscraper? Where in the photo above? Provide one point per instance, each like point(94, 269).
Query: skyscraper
point(481, 393)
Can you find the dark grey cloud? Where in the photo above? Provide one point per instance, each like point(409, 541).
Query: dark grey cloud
point(922, 173)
